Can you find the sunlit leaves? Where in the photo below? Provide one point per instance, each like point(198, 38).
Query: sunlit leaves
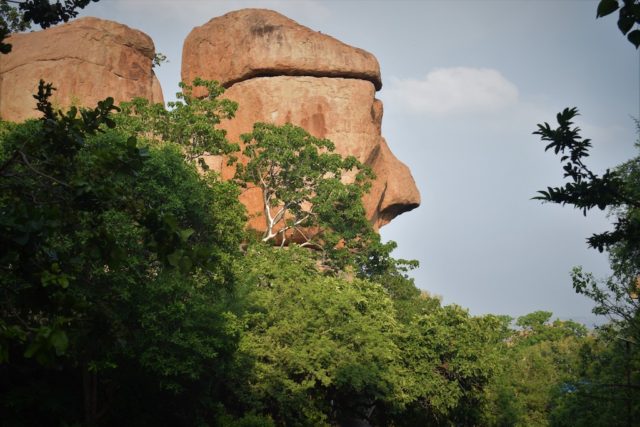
point(537, 364)
point(305, 198)
point(190, 122)
point(323, 347)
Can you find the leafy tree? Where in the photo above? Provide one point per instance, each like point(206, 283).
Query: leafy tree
point(593, 397)
point(297, 342)
point(304, 197)
point(534, 323)
point(316, 349)
point(159, 59)
point(189, 122)
point(320, 350)
point(117, 262)
point(617, 190)
point(450, 358)
point(39, 12)
point(376, 264)
point(605, 388)
point(539, 364)
point(617, 296)
point(588, 190)
point(628, 17)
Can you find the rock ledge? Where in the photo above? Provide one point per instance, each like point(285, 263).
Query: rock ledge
point(260, 43)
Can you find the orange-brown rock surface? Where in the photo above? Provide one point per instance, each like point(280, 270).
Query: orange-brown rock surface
point(279, 71)
point(256, 43)
point(87, 60)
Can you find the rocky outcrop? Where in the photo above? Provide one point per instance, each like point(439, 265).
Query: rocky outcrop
point(87, 60)
point(259, 43)
point(279, 71)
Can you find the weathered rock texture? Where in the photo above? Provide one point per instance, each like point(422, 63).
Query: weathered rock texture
point(87, 60)
point(257, 43)
point(281, 72)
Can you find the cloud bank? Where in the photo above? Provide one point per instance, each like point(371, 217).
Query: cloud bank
point(453, 91)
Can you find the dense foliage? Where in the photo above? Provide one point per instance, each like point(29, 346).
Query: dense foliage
point(320, 350)
point(601, 375)
point(132, 295)
point(127, 298)
point(116, 259)
point(190, 121)
point(603, 385)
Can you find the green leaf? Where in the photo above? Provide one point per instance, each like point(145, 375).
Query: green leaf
point(174, 258)
point(59, 341)
point(634, 37)
point(171, 221)
point(63, 281)
point(32, 349)
point(606, 7)
point(185, 264)
point(185, 234)
point(625, 23)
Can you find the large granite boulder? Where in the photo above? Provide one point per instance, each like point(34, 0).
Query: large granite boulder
point(279, 71)
point(257, 43)
point(87, 60)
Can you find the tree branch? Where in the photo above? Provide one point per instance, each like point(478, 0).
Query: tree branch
point(10, 160)
point(26, 162)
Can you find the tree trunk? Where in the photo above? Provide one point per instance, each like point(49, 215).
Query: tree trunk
point(90, 386)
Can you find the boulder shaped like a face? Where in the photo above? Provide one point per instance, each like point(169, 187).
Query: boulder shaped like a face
point(282, 72)
point(87, 60)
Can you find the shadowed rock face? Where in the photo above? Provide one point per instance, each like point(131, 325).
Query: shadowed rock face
point(281, 72)
point(87, 60)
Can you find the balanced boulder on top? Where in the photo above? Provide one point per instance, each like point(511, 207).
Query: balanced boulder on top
point(256, 42)
point(282, 72)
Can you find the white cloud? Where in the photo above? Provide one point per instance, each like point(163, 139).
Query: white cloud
point(452, 91)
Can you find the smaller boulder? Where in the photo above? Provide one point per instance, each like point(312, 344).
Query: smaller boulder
point(87, 60)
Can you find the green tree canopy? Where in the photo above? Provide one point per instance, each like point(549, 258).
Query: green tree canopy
point(301, 181)
point(116, 261)
point(190, 121)
point(316, 348)
point(538, 366)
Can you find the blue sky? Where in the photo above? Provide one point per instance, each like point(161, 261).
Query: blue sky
point(465, 83)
